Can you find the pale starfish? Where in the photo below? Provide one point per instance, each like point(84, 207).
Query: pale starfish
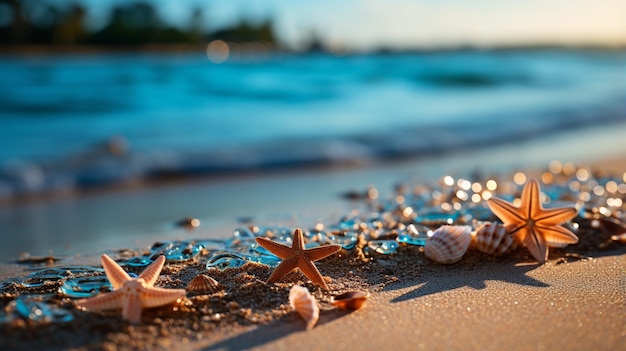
point(131, 295)
point(297, 256)
point(535, 226)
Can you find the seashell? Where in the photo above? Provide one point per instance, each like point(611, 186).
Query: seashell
point(493, 239)
point(203, 284)
point(350, 300)
point(304, 303)
point(448, 243)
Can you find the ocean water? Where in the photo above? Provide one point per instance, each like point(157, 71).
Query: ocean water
point(72, 122)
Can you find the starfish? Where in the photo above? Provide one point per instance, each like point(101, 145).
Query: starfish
point(297, 256)
point(131, 295)
point(535, 226)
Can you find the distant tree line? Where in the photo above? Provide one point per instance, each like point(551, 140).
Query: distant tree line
point(25, 22)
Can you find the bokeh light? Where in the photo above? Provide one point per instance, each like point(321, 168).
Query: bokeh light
point(217, 51)
point(519, 178)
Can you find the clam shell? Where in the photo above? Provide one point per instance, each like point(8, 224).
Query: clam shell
point(493, 239)
point(350, 300)
point(203, 284)
point(304, 303)
point(448, 243)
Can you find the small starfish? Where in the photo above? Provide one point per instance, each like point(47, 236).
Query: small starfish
point(297, 256)
point(535, 226)
point(131, 295)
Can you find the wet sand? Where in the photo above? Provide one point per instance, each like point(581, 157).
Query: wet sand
point(139, 216)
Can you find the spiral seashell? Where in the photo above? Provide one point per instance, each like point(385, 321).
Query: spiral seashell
point(304, 303)
point(448, 243)
point(493, 239)
point(203, 284)
point(350, 300)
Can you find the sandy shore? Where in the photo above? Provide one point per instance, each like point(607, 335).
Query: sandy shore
point(575, 301)
point(486, 306)
point(480, 303)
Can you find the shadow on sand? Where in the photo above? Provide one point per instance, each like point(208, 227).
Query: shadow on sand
point(433, 279)
point(263, 334)
point(443, 278)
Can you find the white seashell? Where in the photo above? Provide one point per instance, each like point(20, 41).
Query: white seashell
point(203, 284)
point(448, 243)
point(493, 239)
point(304, 303)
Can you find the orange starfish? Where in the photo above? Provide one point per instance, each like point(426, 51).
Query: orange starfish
point(297, 256)
point(131, 295)
point(535, 226)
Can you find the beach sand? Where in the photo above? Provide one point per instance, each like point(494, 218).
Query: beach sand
point(575, 301)
point(482, 306)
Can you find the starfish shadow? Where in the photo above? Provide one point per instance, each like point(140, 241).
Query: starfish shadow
point(267, 333)
point(443, 278)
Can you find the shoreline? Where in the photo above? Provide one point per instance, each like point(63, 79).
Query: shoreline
point(77, 176)
point(139, 215)
point(143, 215)
point(25, 182)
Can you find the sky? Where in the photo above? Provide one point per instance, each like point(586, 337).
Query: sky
point(367, 24)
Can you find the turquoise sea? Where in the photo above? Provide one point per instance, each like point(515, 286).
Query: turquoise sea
point(73, 122)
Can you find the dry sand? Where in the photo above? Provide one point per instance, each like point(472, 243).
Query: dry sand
point(576, 301)
point(487, 306)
